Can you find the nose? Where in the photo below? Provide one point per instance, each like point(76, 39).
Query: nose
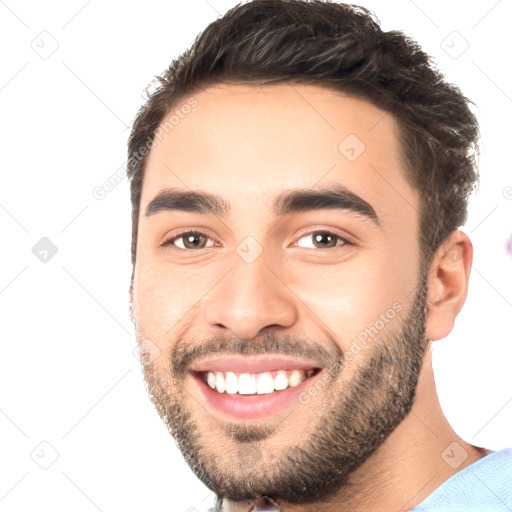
point(250, 300)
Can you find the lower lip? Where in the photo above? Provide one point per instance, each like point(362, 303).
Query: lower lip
point(251, 406)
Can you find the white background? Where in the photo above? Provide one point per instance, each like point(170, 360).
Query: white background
point(68, 375)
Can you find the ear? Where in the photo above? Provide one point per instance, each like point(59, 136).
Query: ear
point(448, 283)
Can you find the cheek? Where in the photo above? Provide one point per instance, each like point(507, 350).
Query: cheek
point(163, 296)
point(358, 299)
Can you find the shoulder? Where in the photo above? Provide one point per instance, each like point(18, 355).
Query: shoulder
point(484, 486)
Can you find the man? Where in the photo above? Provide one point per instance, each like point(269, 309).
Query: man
point(298, 178)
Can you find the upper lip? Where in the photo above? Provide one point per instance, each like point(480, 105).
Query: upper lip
point(241, 364)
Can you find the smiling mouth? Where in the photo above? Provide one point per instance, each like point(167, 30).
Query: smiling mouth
point(261, 383)
point(244, 388)
point(249, 396)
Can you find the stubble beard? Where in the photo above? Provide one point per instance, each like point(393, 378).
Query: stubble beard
point(318, 465)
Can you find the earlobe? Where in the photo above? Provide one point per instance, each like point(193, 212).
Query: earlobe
point(448, 283)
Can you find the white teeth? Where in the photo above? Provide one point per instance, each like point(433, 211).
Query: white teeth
point(281, 380)
point(265, 384)
point(220, 384)
point(246, 384)
point(231, 383)
point(295, 378)
point(255, 383)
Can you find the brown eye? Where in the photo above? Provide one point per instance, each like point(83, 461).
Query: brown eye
point(189, 240)
point(323, 240)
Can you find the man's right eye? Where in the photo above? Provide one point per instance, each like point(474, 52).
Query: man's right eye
point(189, 240)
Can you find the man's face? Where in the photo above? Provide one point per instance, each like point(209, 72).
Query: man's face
point(328, 286)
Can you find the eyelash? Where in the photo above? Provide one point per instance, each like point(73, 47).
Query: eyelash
point(170, 241)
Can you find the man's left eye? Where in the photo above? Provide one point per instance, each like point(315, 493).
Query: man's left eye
point(324, 240)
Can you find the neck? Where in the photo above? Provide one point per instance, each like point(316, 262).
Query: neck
point(414, 460)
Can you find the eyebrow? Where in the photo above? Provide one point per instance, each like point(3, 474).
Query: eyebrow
point(170, 199)
point(330, 198)
point(335, 197)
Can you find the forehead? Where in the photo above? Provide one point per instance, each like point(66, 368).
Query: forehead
point(252, 142)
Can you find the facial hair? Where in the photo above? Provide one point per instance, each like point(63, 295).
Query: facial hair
point(314, 468)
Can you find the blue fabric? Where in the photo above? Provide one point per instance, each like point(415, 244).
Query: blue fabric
point(484, 486)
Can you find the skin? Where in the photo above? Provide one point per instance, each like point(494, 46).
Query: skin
point(248, 144)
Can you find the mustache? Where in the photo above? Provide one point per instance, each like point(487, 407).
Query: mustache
point(187, 351)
